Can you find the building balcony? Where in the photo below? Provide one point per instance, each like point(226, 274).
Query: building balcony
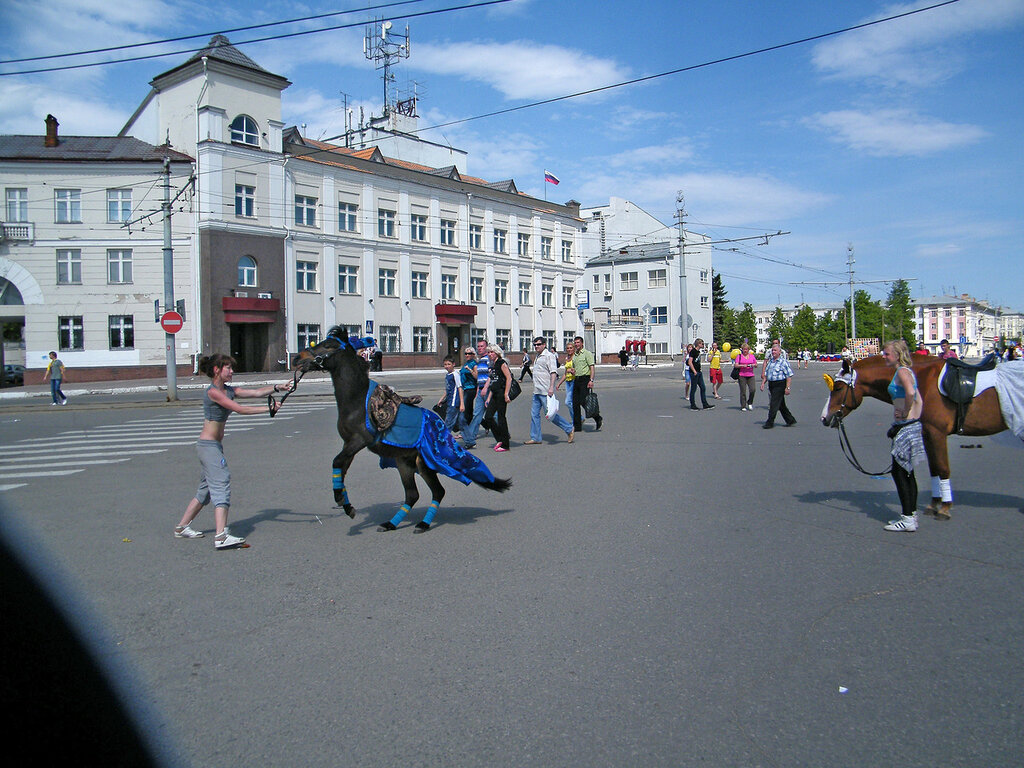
point(20, 231)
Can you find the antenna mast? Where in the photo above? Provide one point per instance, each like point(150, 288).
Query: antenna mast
point(385, 50)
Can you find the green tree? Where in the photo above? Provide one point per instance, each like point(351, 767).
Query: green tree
point(746, 325)
point(779, 328)
point(801, 335)
point(899, 314)
point(729, 328)
point(830, 329)
point(869, 315)
point(719, 308)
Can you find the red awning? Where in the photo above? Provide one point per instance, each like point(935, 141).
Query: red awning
point(238, 310)
point(454, 314)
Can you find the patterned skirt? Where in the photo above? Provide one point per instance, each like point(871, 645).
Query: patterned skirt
point(908, 446)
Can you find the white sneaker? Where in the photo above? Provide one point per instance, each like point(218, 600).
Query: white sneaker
point(226, 541)
point(188, 532)
point(906, 524)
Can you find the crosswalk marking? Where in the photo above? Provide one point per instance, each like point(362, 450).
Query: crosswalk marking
point(72, 451)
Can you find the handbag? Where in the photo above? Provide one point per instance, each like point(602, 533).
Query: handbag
point(735, 373)
point(591, 406)
point(514, 390)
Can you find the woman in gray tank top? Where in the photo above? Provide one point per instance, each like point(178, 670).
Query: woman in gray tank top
point(215, 480)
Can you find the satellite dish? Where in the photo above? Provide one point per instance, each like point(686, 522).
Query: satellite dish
point(387, 25)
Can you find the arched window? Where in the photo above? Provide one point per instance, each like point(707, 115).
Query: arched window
point(245, 131)
point(247, 271)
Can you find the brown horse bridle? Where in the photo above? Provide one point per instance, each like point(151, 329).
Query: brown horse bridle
point(844, 439)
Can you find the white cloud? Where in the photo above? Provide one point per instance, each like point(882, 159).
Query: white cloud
point(913, 50)
point(520, 69)
point(661, 155)
point(895, 132)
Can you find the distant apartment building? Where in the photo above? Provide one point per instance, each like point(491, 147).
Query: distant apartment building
point(971, 326)
point(81, 251)
point(635, 286)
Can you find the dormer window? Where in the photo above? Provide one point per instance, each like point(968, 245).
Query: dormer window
point(245, 131)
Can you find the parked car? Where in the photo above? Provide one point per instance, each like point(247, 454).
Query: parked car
point(14, 375)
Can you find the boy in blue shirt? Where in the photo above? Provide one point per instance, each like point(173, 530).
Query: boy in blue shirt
point(452, 394)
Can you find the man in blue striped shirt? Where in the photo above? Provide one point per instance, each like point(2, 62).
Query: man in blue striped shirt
point(777, 373)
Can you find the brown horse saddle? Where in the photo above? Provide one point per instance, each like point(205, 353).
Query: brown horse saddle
point(382, 406)
point(958, 382)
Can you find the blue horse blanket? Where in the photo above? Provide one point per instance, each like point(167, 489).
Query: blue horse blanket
point(424, 430)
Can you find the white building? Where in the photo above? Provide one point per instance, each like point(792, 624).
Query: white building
point(971, 325)
point(635, 282)
point(82, 283)
point(294, 235)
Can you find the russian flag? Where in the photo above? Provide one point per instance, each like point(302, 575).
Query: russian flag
point(550, 178)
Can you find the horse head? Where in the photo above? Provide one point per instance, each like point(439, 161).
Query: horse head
point(844, 395)
point(333, 352)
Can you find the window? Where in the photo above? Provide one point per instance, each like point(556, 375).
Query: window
point(305, 210)
point(568, 337)
point(500, 241)
point(547, 295)
point(476, 236)
point(247, 271)
point(476, 289)
point(629, 281)
point(347, 217)
point(501, 291)
point(385, 223)
point(421, 339)
point(523, 245)
point(549, 339)
point(386, 282)
point(122, 331)
point(245, 131)
point(657, 278)
point(305, 276)
point(119, 205)
point(69, 266)
point(477, 334)
point(657, 347)
point(307, 334)
point(503, 338)
point(419, 285)
point(545, 249)
point(448, 232)
point(659, 316)
point(448, 287)
point(17, 205)
point(347, 331)
point(119, 265)
point(567, 251)
point(70, 333)
point(418, 228)
point(525, 299)
point(703, 275)
point(390, 338)
point(705, 302)
point(245, 200)
point(348, 278)
point(69, 206)
point(567, 297)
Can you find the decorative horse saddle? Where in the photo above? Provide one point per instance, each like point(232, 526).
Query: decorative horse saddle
point(958, 381)
point(382, 406)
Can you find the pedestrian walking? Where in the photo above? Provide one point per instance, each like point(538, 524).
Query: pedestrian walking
point(624, 357)
point(482, 374)
point(715, 369)
point(215, 478)
point(545, 369)
point(686, 372)
point(568, 376)
point(500, 382)
point(527, 368)
point(55, 372)
point(746, 361)
point(467, 373)
point(778, 374)
point(905, 432)
point(696, 377)
point(453, 395)
point(584, 372)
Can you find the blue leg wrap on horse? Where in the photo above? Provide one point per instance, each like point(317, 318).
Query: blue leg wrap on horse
point(400, 515)
point(337, 480)
point(429, 517)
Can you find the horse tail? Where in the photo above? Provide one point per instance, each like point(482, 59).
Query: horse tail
point(498, 484)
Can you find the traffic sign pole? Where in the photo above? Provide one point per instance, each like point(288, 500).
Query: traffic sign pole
point(172, 366)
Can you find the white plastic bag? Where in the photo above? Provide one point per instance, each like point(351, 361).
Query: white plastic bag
point(552, 407)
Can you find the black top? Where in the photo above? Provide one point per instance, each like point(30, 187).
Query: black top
point(695, 356)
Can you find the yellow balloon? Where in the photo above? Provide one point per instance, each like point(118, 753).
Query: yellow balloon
point(735, 354)
point(726, 347)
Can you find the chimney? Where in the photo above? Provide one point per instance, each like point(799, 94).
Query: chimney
point(51, 132)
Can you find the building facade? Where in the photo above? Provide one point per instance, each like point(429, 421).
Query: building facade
point(81, 255)
point(973, 327)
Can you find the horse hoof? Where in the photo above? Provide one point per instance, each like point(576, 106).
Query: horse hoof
point(388, 526)
point(421, 527)
point(940, 511)
point(350, 511)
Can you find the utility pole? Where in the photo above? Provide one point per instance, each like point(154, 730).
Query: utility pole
point(172, 367)
point(683, 319)
point(853, 309)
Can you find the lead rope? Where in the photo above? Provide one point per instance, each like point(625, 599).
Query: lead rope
point(273, 407)
point(844, 443)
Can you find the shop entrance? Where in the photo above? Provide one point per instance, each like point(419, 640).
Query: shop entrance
point(249, 346)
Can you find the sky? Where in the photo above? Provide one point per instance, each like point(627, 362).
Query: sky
point(901, 140)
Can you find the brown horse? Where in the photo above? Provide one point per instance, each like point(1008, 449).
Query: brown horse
point(870, 377)
point(350, 376)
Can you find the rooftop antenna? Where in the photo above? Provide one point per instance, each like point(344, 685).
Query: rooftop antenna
point(385, 49)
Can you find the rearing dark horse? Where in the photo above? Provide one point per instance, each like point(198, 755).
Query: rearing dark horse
point(430, 449)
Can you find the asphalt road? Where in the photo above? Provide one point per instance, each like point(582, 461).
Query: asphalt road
point(679, 589)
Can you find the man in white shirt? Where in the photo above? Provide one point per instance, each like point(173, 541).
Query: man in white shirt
point(545, 373)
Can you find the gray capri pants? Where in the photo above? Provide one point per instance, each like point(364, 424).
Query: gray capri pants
point(215, 481)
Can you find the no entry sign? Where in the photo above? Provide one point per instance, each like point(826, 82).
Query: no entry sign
point(171, 322)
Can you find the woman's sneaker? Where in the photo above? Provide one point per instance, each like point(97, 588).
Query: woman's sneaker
point(906, 524)
point(187, 532)
point(227, 541)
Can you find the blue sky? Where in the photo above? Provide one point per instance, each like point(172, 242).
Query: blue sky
point(902, 139)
